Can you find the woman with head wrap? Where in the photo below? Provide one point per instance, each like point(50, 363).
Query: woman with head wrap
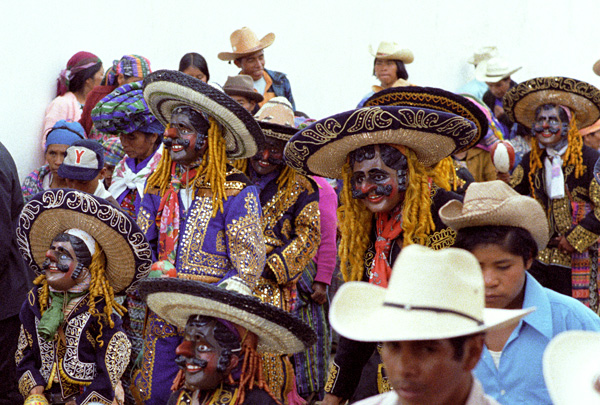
point(83, 72)
point(60, 137)
point(130, 68)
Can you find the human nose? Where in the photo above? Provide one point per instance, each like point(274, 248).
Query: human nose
point(367, 185)
point(171, 132)
point(489, 278)
point(408, 363)
point(185, 349)
point(265, 155)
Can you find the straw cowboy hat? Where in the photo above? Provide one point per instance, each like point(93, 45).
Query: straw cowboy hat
point(495, 69)
point(392, 51)
point(496, 203)
point(175, 300)
point(521, 101)
point(165, 90)
point(596, 67)
point(242, 85)
point(571, 369)
point(276, 119)
point(244, 42)
point(444, 299)
point(432, 122)
point(483, 53)
point(48, 214)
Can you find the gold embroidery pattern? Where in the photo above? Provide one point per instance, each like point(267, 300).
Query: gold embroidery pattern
point(561, 210)
point(334, 372)
point(581, 238)
point(46, 354)
point(275, 208)
point(23, 342)
point(72, 366)
point(579, 194)
point(117, 357)
point(517, 176)
point(569, 169)
point(555, 257)
point(246, 242)
point(26, 383)
point(268, 291)
point(90, 338)
point(144, 220)
point(221, 242)
point(441, 239)
point(383, 383)
point(594, 194)
point(286, 228)
point(95, 397)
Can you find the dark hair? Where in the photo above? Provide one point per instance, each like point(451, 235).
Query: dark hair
point(196, 60)
point(517, 241)
point(391, 156)
point(77, 82)
point(79, 247)
point(458, 344)
point(562, 114)
point(401, 72)
point(197, 119)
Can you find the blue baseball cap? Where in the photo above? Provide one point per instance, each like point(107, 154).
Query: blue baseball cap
point(84, 160)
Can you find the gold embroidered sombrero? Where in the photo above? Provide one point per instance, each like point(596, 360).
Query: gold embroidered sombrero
point(582, 98)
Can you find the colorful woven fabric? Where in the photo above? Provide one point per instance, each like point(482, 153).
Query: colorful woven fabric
point(34, 183)
point(125, 111)
point(128, 66)
point(585, 284)
point(113, 150)
point(78, 62)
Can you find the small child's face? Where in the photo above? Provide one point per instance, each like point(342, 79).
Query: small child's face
point(503, 275)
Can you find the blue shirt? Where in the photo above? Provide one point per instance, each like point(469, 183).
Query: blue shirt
point(519, 378)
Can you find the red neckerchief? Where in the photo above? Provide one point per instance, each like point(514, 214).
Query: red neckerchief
point(388, 228)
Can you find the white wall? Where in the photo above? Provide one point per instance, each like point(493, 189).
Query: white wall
point(322, 45)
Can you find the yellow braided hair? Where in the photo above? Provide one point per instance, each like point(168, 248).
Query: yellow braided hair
point(240, 164)
point(161, 177)
point(287, 179)
point(44, 292)
point(444, 174)
point(573, 155)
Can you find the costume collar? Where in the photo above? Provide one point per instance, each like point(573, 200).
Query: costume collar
point(535, 296)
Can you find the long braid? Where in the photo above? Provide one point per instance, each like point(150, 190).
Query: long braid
point(286, 181)
point(241, 165)
point(44, 293)
point(444, 174)
point(251, 374)
point(161, 177)
point(417, 221)
point(214, 168)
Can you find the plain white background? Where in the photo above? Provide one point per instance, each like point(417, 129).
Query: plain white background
point(321, 45)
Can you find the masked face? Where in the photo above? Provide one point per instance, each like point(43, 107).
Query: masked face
point(269, 158)
point(59, 265)
point(380, 187)
point(201, 356)
point(548, 127)
point(184, 143)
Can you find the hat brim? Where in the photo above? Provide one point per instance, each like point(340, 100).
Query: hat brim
point(176, 299)
point(322, 148)
point(521, 101)
point(77, 173)
point(265, 42)
point(276, 131)
point(482, 76)
point(165, 90)
point(569, 368)
point(404, 55)
point(358, 309)
point(518, 211)
point(128, 254)
point(252, 95)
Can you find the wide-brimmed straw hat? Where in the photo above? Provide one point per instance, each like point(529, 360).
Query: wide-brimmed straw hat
point(176, 300)
point(496, 203)
point(443, 299)
point(571, 369)
point(494, 69)
point(128, 254)
point(165, 90)
point(242, 85)
point(392, 51)
point(483, 53)
point(244, 42)
point(433, 132)
point(276, 119)
point(521, 101)
point(596, 67)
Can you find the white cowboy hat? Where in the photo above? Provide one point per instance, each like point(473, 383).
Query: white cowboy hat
point(495, 69)
point(571, 368)
point(244, 42)
point(496, 203)
point(483, 53)
point(443, 299)
point(392, 51)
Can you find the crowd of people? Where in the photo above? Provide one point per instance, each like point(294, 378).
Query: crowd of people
point(183, 240)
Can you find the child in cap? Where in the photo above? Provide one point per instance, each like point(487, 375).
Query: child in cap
point(505, 230)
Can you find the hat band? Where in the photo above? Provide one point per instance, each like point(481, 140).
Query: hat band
point(433, 309)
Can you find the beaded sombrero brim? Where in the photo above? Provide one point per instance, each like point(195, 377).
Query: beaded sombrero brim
point(128, 254)
point(322, 148)
point(582, 98)
point(176, 300)
point(164, 90)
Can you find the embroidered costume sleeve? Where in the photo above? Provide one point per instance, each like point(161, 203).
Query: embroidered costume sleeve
point(292, 228)
point(346, 369)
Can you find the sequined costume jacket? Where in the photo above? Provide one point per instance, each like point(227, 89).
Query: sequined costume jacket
point(84, 360)
point(256, 396)
point(576, 216)
point(209, 249)
point(292, 235)
point(354, 358)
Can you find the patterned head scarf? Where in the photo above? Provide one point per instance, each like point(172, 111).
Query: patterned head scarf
point(78, 62)
point(128, 66)
point(113, 150)
point(124, 111)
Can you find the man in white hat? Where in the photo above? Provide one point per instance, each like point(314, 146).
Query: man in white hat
point(248, 55)
point(504, 231)
point(430, 340)
point(475, 87)
point(496, 73)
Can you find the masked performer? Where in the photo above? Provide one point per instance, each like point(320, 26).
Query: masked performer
point(72, 349)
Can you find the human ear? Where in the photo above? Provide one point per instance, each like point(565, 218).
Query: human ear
point(233, 362)
point(473, 349)
point(238, 63)
point(120, 79)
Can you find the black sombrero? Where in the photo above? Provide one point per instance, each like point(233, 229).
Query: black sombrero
point(176, 300)
point(164, 90)
point(276, 119)
point(322, 148)
point(582, 98)
point(49, 213)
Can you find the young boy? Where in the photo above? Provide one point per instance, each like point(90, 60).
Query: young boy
point(504, 230)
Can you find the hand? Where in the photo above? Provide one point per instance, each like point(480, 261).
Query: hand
point(505, 177)
point(331, 399)
point(564, 246)
point(319, 294)
point(37, 390)
point(498, 111)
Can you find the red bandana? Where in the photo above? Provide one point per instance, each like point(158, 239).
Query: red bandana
point(388, 227)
